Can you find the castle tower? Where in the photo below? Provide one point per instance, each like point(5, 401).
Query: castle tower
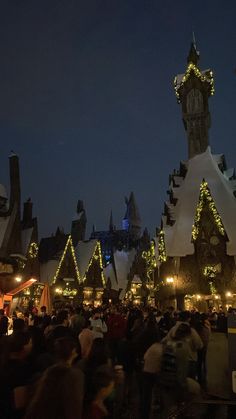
point(132, 221)
point(193, 90)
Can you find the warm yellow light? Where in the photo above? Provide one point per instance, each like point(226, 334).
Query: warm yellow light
point(169, 280)
point(205, 196)
point(58, 291)
point(199, 297)
point(228, 294)
point(18, 278)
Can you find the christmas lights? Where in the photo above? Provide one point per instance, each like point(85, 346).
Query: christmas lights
point(208, 77)
point(69, 243)
point(210, 271)
point(33, 250)
point(161, 247)
point(97, 254)
point(205, 197)
point(150, 259)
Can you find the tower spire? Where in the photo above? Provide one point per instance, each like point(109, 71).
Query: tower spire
point(193, 90)
point(193, 55)
point(111, 224)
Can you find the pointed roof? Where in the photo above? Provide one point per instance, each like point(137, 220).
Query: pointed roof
point(205, 76)
point(109, 272)
point(48, 271)
point(84, 252)
point(123, 262)
point(3, 193)
point(178, 236)
point(193, 55)
point(111, 224)
point(132, 211)
point(26, 235)
point(4, 221)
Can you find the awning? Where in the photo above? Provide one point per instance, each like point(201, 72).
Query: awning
point(21, 287)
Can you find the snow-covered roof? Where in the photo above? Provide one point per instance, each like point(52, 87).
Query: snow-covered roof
point(3, 228)
point(136, 280)
point(3, 193)
point(83, 253)
point(123, 262)
point(26, 235)
point(48, 271)
point(109, 273)
point(178, 237)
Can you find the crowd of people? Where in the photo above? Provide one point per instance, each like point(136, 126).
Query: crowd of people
point(88, 363)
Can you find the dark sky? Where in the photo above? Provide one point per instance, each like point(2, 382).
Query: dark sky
point(87, 100)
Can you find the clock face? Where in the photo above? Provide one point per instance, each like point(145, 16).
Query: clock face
point(214, 240)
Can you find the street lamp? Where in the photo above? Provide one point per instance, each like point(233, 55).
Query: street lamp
point(170, 280)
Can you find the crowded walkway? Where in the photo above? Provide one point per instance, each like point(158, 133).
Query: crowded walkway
point(107, 362)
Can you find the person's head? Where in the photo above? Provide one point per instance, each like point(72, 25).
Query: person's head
point(184, 316)
point(58, 395)
point(87, 324)
point(182, 332)
point(102, 384)
point(18, 324)
point(96, 314)
point(113, 310)
point(145, 313)
point(99, 353)
point(43, 310)
point(66, 350)
point(19, 344)
point(203, 317)
point(62, 317)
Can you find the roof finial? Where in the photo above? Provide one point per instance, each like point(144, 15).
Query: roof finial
point(194, 40)
point(193, 55)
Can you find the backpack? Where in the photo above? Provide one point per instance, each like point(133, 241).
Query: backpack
point(174, 366)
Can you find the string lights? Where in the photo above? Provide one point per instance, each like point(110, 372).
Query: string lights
point(69, 243)
point(210, 271)
point(97, 254)
point(33, 250)
point(150, 259)
point(161, 247)
point(205, 197)
point(207, 77)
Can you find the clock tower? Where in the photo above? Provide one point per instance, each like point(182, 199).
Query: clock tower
point(193, 90)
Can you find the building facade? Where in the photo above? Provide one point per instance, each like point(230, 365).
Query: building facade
point(196, 243)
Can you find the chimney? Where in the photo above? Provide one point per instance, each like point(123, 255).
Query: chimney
point(27, 213)
point(14, 181)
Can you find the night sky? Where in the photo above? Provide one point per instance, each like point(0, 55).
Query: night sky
point(87, 100)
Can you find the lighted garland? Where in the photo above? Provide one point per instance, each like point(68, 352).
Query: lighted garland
point(210, 271)
point(205, 196)
point(33, 250)
point(161, 247)
point(150, 259)
point(193, 68)
point(95, 256)
point(68, 243)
